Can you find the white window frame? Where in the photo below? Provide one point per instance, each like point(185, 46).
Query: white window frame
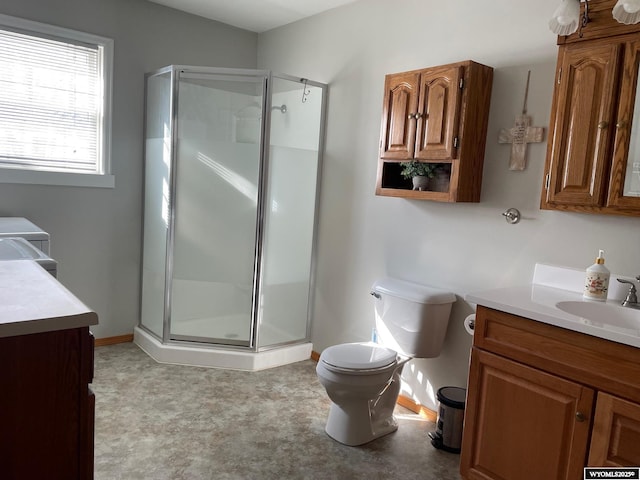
point(103, 179)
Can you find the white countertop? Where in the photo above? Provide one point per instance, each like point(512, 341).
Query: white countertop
point(537, 301)
point(32, 301)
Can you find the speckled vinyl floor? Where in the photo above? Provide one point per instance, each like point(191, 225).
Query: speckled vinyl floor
point(168, 422)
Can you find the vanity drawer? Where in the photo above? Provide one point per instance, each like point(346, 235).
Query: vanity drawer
point(599, 363)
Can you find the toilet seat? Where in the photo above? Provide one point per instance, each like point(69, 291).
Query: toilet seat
point(358, 358)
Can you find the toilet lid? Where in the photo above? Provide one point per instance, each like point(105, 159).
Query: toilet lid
point(358, 356)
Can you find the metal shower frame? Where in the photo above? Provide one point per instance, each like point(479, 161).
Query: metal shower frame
point(256, 319)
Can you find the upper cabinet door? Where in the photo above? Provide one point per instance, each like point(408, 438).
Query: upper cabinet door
point(584, 110)
point(438, 112)
point(624, 189)
point(398, 116)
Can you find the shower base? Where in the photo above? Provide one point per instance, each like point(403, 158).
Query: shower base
point(218, 357)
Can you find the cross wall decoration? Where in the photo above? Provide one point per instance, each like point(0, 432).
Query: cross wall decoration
point(520, 135)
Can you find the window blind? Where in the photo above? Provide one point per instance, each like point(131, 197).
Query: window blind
point(50, 104)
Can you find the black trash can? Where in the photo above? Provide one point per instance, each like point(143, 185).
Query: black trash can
point(448, 434)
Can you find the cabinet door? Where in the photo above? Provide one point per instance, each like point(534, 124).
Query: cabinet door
point(584, 108)
point(438, 114)
point(624, 188)
point(40, 403)
point(521, 423)
point(400, 105)
point(615, 441)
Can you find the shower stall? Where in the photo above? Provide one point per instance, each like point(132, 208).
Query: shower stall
point(232, 170)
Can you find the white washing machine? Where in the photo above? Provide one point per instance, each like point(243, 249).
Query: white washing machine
point(16, 248)
point(22, 240)
point(21, 227)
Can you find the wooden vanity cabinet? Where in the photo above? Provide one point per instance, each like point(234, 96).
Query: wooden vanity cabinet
point(438, 115)
point(544, 402)
point(616, 433)
point(507, 395)
point(592, 157)
point(46, 406)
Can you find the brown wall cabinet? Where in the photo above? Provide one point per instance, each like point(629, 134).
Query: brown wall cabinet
point(593, 156)
point(437, 115)
point(544, 402)
point(46, 406)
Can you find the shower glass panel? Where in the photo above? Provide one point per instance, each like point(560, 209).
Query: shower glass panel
point(156, 198)
point(218, 164)
point(294, 143)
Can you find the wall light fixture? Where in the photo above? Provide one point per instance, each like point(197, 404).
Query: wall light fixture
point(566, 18)
point(627, 11)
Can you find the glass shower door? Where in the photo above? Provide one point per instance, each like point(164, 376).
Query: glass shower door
point(290, 210)
point(156, 200)
point(219, 128)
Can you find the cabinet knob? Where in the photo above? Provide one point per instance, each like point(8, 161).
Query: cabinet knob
point(580, 417)
point(418, 115)
point(412, 116)
point(602, 125)
point(622, 124)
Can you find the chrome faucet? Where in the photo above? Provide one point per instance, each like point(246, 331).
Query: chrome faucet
point(632, 298)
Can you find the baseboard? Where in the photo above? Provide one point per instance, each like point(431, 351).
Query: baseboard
point(101, 342)
point(403, 401)
point(424, 412)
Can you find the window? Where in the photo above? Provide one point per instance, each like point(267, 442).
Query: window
point(55, 105)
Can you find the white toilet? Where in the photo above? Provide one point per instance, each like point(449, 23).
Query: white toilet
point(363, 379)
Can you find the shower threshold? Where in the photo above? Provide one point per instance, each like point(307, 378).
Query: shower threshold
point(220, 357)
point(207, 341)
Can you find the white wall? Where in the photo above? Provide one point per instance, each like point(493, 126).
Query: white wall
point(459, 247)
point(96, 233)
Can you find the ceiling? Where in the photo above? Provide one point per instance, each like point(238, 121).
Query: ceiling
point(254, 15)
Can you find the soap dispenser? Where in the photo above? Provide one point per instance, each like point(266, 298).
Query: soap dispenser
point(596, 283)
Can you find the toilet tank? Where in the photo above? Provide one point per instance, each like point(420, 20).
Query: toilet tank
point(411, 318)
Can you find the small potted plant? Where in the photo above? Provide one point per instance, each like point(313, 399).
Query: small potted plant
point(418, 172)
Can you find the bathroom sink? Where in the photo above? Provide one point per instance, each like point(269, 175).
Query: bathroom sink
point(604, 315)
point(555, 298)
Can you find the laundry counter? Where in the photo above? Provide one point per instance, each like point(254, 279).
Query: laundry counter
point(32, 301)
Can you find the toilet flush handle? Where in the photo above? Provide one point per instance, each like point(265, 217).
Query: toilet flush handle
point(375, 294)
